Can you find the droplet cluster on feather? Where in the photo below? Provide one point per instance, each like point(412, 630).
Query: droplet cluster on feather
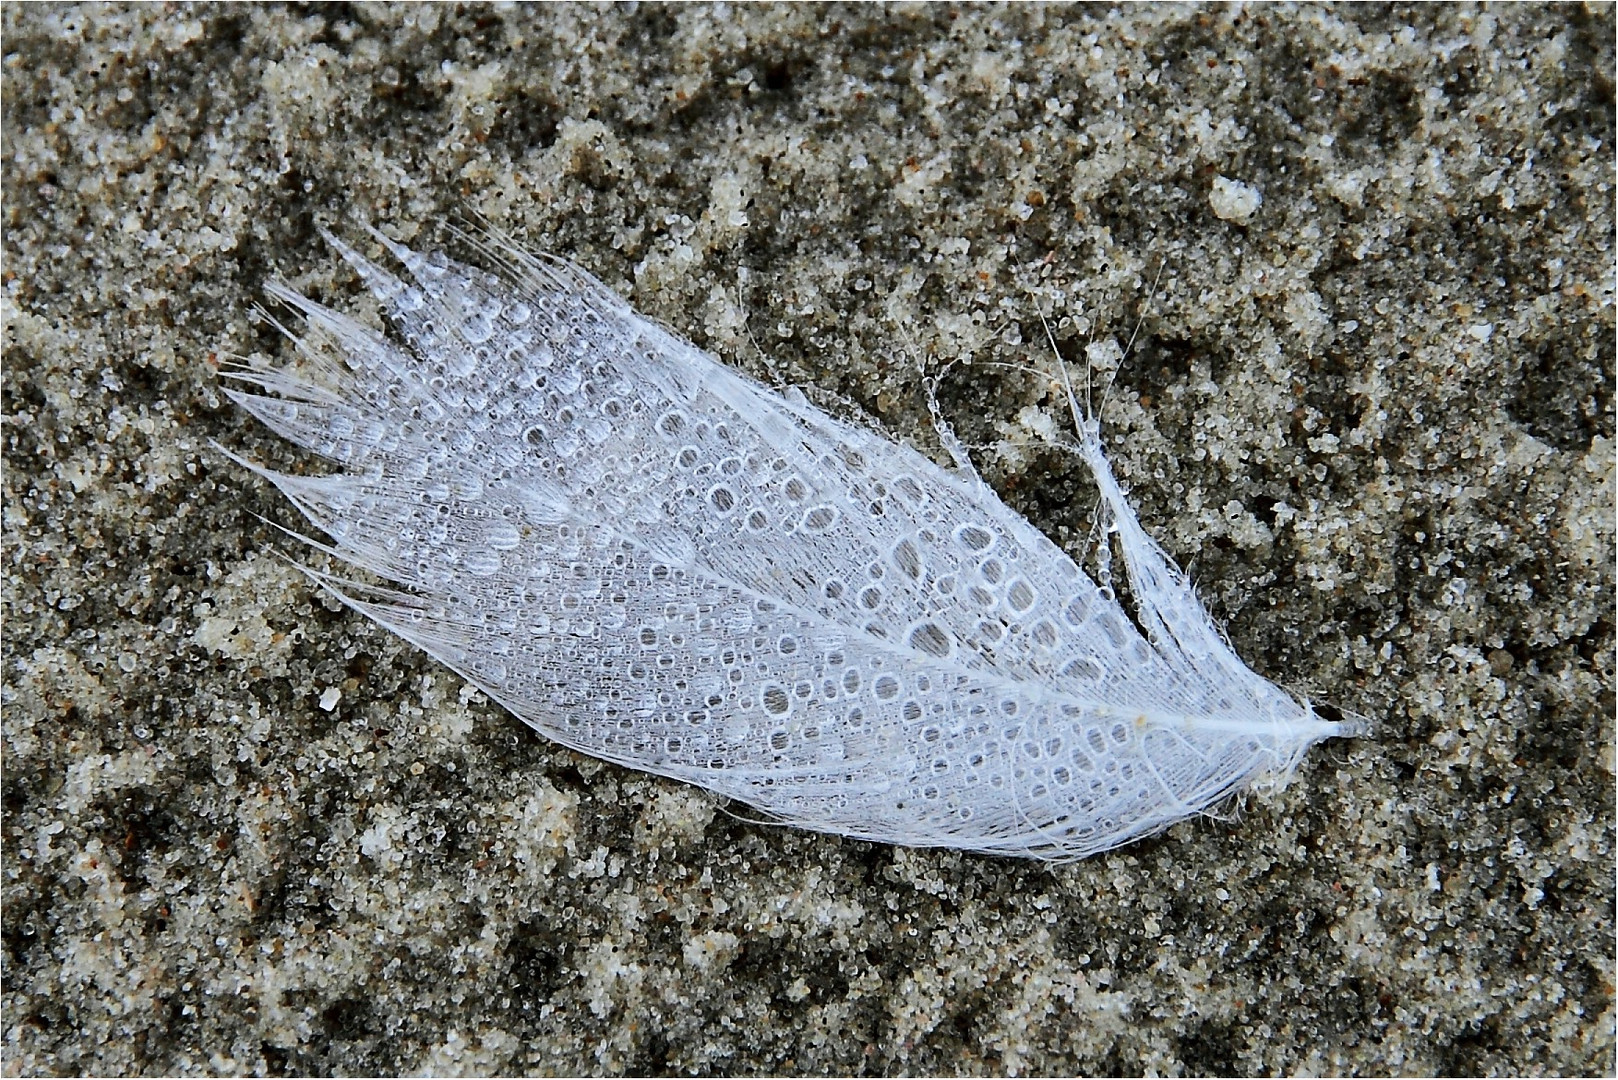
point(655, 560)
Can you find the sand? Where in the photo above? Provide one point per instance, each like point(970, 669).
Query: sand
point(1370, 407)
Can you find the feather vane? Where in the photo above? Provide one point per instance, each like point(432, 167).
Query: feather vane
point(650, 558)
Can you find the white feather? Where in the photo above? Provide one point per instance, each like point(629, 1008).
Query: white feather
point(655, 560)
